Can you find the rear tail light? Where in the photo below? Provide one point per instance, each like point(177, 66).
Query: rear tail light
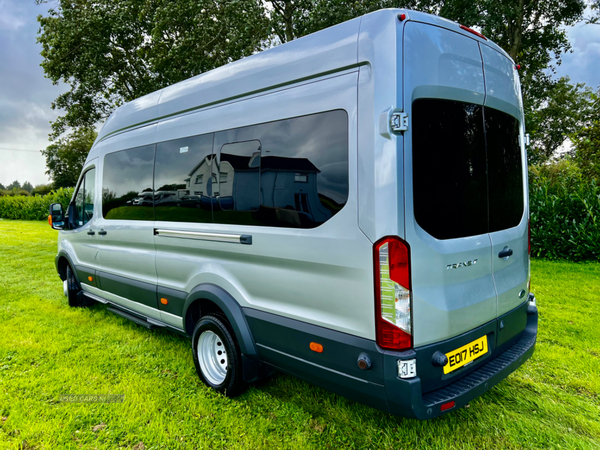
point(392, 294)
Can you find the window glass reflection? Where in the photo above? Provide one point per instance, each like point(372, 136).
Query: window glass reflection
point(505, 170)
point(182, 179)
point(291, 173)
point(127, 184)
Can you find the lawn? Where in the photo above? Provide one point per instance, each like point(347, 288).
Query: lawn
point(48, 350)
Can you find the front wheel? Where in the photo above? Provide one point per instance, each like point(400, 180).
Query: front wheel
point(217, 356)
point(73, 290)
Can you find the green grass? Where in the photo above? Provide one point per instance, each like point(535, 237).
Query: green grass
point(48, 349)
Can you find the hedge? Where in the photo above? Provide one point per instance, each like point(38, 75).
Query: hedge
point(565, 213)
point(35, 207)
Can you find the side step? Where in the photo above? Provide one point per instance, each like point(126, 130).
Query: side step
point(139, 320)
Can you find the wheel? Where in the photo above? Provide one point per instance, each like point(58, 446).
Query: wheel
point(73, 291)
point(217, 356)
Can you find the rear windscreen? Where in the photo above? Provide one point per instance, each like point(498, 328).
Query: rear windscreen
point(467, 172)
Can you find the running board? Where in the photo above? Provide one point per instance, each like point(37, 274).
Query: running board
point(146, 323)
point(95, 297)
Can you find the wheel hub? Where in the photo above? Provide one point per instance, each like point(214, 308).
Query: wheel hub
point(212, 357)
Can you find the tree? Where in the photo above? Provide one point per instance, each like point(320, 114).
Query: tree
point(566, 109)
point(110, 52)
point(42, 189)
point(595, 18)
point(2, 187)
point(65, 158)
point(586, 141)
point(27, 187)
point(14, 185)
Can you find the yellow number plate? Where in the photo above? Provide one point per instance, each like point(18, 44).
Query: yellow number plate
point(467, 353)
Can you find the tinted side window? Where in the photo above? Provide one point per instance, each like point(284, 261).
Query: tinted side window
point(449, 168)
point(127, 184)
point(299, 165)
point(505, 170)
point(182, 179)
point(84, 199)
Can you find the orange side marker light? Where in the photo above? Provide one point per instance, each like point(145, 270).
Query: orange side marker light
point(91, 278)
point(164, 301)
point(316, 347)
point(50, 220)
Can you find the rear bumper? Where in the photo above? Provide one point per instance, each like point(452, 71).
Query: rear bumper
point(405, 397)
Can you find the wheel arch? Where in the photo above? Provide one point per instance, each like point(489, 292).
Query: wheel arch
point(61, 262)
point(209, 298)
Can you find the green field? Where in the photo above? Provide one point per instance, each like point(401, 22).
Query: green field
point(48, 350)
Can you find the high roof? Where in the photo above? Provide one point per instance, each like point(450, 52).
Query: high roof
point(327, 51)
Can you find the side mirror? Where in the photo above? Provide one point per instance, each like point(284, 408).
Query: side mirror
point(56, 219)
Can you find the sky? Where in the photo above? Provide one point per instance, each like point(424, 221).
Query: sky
point(26, 95)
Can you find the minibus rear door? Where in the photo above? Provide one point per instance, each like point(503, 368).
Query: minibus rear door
point(507, 178)
point(445, 183)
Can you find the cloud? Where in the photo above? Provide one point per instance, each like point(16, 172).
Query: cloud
point(25, 95)
point(582, 65)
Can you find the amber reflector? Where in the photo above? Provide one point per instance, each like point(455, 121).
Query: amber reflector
point(90, 278)
point(164, 301)
point(316, 347)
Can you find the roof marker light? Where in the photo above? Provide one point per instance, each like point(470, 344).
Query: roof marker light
point(470, 30)
point(518, 66)
point(401, 17)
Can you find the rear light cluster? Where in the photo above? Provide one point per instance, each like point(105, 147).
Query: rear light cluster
point(392, 294)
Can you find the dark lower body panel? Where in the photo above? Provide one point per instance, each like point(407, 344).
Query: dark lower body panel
point(285, 344)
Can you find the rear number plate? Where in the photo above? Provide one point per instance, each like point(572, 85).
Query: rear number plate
point(467, 353)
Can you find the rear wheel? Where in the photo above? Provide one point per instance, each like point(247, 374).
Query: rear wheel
point(217, 356)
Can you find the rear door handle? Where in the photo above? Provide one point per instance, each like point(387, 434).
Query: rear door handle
point(103, 233)
point(505, 253)
point(91, 233)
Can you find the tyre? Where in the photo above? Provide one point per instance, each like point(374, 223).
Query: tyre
point(73, 291)
point(217, 356)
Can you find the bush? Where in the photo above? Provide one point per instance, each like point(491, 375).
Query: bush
point(565, 213)
point(22, 207)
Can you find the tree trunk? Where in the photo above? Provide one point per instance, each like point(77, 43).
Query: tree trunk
point(517, 32)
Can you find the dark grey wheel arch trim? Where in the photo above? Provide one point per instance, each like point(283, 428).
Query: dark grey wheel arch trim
point(63, 254)
point(232, 310)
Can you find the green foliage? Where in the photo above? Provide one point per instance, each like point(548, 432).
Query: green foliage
point(565, 213)
point(566, 109)
point(587, 142)
point(42, 189)
point(48, 350)
point(14, 185)
point(33, 207)
point(65, 158)
point(27, 187)
point(110, 52)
